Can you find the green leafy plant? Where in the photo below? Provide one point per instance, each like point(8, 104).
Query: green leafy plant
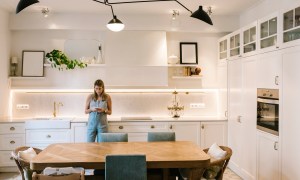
point(59, 60)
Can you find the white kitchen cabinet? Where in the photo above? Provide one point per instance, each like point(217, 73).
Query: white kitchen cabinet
point(235, 45)
point(79, 132)
point(137, 131)
point(249, 39)
point(12, 135)
point(186, 131)
point(223, 49)
point(222, 80)
point(41, 138)
point(267, 156)
point(269, 67)
point(289, 119)
point(213, 132)
point(290, 26)
point(242, 116)
point(268, 30)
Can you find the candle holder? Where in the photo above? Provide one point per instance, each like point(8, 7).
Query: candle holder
point(175, 108)
point(14, 65)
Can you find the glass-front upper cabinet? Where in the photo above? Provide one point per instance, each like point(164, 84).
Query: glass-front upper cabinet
point(223, 44)
point(291, 25)
point(268, 32)
point(234, 44)
point(249, 38)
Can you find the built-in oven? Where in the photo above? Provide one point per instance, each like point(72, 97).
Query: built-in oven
point(268, 110)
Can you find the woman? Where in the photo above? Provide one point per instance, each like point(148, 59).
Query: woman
point(98, 105)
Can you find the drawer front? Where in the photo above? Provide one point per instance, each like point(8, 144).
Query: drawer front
point(11, 141)
point(138, 127)
point(46, 136)
point(12, 128)
point(6, 159)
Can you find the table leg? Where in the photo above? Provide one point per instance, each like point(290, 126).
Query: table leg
point(165, 173)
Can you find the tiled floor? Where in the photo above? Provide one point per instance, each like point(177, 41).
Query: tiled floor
point(228, 175)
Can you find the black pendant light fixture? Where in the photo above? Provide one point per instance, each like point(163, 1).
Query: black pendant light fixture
point(115, 24)
point(202, 15)
point(24, 4)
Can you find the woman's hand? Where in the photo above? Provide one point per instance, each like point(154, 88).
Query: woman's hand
point(100, 110)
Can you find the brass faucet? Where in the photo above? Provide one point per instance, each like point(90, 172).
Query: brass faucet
point(55, 112)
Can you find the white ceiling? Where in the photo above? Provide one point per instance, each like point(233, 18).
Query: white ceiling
point(220, 7)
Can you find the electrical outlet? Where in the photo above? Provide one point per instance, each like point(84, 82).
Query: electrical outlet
point(197, 105)
point(22, 106)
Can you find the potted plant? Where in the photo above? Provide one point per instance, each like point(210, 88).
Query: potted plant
point(59, 60)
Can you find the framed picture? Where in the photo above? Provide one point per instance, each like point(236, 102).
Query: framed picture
point(33, 63)
point(188, 53)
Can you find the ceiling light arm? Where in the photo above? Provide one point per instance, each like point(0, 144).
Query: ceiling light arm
point(184, 6)
point(105, 2)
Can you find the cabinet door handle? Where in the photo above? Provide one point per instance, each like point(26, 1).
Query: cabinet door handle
point(48, 136)
point(276, 80)
point(152, 126)
point(121, 127)
point(12, 142)
point(239, 119)
point(12, 128)
point(202, 126)
point(275, 145)
point(171, 126)
point(226, 113)
point(11, 158)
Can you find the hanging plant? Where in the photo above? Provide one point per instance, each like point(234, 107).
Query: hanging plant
point(59, 60)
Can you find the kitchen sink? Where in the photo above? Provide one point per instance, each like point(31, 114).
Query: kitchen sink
point(135, 118)
point(49, 123)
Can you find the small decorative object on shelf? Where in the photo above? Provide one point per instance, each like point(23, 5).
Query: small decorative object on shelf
point(173, 59)
point(14, 64)
point(175, 108)
point(59, 60)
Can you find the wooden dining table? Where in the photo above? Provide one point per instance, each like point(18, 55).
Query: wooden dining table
point(164, 155)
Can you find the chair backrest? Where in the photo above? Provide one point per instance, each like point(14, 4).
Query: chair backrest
point(114, 137)
point(74, 176)
point(222, 163)
point(119, 167)
point(161, 136)
point(23, 165)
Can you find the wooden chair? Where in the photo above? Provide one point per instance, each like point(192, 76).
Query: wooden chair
point(23, 165)
point(113, 137)
point(130, 166)
point(219, 164)
point(161, 136)
point(73, 176)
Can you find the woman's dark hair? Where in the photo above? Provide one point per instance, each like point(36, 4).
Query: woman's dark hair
point(100, 83)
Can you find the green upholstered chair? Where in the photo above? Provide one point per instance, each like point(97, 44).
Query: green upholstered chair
point(161, 136)
point(23, 165)
point(113, 137)
point(120, 167)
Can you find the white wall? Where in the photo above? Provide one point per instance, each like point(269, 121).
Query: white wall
point(132, 22)
point(265, 7)
point(4, 61)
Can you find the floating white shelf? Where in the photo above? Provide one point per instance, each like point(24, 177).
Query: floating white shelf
point(21, 77)
point(187, 77)
point(89, 65)
point(183, 65)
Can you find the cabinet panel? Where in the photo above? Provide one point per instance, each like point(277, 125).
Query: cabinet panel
point(79, 132)
point(46, 136)
point(269, 70)
point(11, 141)
point(186, 131)
point(267, 157)
point(137, 137)
point(213, 132)
point(138, 127)
point(12, 128)
point(6, 159)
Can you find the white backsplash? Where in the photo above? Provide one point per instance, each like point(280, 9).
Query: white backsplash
point(123, 104)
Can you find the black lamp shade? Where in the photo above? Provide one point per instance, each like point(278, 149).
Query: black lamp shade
point(202, 15)
point(24, 4)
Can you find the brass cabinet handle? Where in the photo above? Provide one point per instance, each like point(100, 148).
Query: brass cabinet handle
point(12, 128)
point(171, 126)
point(12, 142)
point(202, 126)
point(152, 126)
point(276, 80)
point(48, 136)
point(121, 127)
point(11, 158)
